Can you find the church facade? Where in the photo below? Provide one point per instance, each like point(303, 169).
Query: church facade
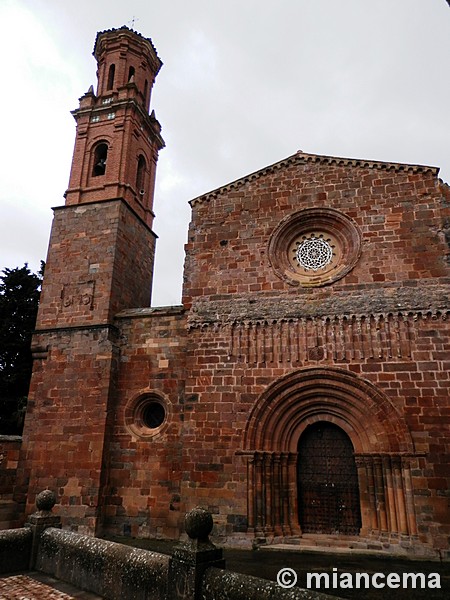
point(301, 389)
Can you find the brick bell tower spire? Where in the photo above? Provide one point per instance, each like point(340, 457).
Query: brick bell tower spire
point(117, 142)
point(100, 262)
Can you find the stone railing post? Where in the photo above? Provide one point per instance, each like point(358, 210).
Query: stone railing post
point(190, 560)
point(39, 521)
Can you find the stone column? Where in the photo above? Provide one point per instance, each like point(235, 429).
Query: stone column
point(268, 494)
point(276, 487)
point(364, 496)
point(390, 495)
point(293, 493)
point(251, 492)
point(375, 525)
point(285, 494)
point(380, 494)
point(409, 496)
point(189, 561)
point(259, 494)
point(400, 498)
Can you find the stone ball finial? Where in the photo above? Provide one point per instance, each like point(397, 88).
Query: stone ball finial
point(46, 500)
point(198, 523)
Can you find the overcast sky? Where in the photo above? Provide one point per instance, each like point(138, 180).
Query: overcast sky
point(245, 83)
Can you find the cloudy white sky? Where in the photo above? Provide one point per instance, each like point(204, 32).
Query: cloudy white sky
point(244, 84)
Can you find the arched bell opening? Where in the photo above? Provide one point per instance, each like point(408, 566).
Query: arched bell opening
point(111, 76)
point(99, 160)
point(140, 175)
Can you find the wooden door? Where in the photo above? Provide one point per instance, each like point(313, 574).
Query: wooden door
point(328, 493)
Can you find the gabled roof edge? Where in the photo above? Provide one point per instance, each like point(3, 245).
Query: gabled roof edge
point(317, 158)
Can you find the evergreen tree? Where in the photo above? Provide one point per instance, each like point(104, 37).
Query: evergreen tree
point(19, 299)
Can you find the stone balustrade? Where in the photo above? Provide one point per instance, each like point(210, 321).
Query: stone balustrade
point(195, 571)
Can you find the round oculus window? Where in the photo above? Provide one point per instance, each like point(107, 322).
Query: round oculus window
point(314, 247)
point(153, 415)
point(146, 415)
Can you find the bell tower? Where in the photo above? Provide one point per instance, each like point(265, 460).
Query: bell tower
point(117, 141)
point(99, 262)
point(101, 252)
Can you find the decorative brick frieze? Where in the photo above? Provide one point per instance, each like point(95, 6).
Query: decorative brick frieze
point(388, 337)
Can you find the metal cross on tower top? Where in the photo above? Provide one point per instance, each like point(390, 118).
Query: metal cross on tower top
point(133, 21)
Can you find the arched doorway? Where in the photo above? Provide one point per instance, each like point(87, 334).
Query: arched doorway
point(327, 479)
point(380, 445)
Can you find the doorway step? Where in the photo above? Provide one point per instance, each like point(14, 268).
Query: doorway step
point(347, 544)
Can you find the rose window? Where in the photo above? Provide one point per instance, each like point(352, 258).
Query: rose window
point(314, 247)
point(314, 253)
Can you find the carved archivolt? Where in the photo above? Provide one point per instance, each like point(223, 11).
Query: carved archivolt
point(384, 451)
point(306, 396)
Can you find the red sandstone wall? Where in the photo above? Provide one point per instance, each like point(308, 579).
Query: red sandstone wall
point(226, 385)
point(385, 321)
point(100, 261)
point(400, 215)
point(68, 423)
point(144, 474)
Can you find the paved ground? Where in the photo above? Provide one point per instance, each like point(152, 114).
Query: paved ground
point(36, 586)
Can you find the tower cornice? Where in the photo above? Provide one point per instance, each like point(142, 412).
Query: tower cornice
point(122, 33)
point(150, 121)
